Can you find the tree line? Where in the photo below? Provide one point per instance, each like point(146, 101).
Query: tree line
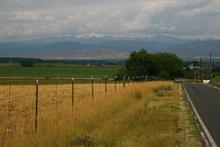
point(159, 65)
point(31, 62)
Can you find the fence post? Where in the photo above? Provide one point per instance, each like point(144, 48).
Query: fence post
point(133, 80)
point(73, 88)
point(106, 84)
point(36, 107)
point(128, 80)
point(124, 82)
point(115, 83)
point(92, 80)
point(9, 101)
point(56, 80)
point(145, 79)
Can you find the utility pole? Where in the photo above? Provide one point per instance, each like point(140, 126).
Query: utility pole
point(210, 65)
point(200, 69)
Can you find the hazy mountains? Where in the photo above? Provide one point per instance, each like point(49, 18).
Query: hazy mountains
point(197, 48)
point(106, 47)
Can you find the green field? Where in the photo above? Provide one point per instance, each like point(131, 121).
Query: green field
point(65, 72)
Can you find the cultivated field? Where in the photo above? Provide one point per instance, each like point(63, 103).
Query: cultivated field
point(150, 114)
point(78, 71)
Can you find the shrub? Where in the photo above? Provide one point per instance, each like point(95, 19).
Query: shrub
point(163, 91)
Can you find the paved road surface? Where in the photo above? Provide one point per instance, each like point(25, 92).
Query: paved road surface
point(207, 102)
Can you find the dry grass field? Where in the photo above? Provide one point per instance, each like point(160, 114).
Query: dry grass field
point(151, 114)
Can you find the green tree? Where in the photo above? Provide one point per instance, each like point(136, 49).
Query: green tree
point(139, 64)
point(164, 75)
point(121, 74)
point(189, 73)
point(170, 63)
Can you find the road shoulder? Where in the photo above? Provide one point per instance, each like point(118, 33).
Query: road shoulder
point(207, 138)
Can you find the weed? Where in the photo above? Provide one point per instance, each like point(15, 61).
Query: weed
point(163, 91)
point(86, 141)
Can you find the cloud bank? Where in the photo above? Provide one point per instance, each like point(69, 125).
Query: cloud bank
point(117, 18)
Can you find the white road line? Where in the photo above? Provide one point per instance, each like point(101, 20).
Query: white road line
point(204, 128)
point(213, 86)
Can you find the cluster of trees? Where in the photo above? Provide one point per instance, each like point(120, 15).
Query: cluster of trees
point(162, 65)
point(28, 63)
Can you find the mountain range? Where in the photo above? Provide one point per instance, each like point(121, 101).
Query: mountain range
point(106, 47)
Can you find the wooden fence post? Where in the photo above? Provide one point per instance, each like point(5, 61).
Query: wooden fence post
point(128, 80)
point(124, 82)
point(106, 84)
point(92, 80)
point(133, 80)
point(56, 80)
point(36, 107)
point(73, 91)
point(9, 99)
point(9, 102)
point(115, 83)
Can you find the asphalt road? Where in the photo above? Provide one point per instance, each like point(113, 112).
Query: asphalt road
point(207, 102)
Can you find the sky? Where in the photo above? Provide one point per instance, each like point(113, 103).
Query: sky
point(22, 19)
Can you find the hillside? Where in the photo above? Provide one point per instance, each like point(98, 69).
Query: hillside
point(197, 48)
point(106, 48)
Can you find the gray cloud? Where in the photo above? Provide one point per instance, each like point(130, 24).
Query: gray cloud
point(86, 18)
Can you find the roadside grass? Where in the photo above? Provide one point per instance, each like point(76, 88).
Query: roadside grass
point(215, 81)
point(191, 122)
point(134, 116)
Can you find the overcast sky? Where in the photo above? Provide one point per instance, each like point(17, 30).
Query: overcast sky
point(118, 18)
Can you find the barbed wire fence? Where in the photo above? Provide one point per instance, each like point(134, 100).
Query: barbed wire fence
point(40, 96)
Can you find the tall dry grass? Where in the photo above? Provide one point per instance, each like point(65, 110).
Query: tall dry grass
point(137, 115)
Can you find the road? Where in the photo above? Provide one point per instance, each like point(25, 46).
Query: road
point(207, 102)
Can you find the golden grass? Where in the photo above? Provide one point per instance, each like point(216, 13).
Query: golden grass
point(148, 114)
